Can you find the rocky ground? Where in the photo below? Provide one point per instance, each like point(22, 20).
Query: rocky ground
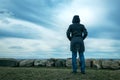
point(113, 64)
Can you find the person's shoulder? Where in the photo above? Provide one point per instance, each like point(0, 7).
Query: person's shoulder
point(82, 25)
point(71, 24)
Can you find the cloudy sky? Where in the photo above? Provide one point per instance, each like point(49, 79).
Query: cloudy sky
point(37, 28)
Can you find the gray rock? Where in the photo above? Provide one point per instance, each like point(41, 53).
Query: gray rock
point(60, 63)
point(26, 63)
point(110, 64)
point(69, 62)
point(88, 63)
point(50, 62)
point(41, 63)
point(96, 63)
point(10, 62)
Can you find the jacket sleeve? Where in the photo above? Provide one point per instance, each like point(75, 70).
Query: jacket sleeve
point(68, 33)
point(85, 33)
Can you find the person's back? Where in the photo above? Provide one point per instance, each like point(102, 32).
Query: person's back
point(76, 29)
point(76, 41)
point(76, 33)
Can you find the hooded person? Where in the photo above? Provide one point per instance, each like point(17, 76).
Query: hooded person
point(76, 33)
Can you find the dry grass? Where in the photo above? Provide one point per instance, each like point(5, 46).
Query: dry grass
point(32, 73)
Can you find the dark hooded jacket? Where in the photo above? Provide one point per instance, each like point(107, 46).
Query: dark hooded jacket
point(76, 33)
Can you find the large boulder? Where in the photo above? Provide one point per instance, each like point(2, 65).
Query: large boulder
point(96, 64)
point(41, 63)
point(68, 62)
point(110, 64)
point(88, 63)
point(60, 63)
point(26, 63)
point(10, 62)
point(117, 60)
point(50, 62)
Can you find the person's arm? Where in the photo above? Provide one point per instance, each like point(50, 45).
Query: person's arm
point(85, 33)
point(68, 33)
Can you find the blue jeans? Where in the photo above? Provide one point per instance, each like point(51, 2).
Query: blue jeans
point(74, 62)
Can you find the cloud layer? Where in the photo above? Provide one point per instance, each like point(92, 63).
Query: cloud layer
point(37, 28)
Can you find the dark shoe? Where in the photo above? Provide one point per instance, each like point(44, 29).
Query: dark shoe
point(74, 72)
point(83, 72)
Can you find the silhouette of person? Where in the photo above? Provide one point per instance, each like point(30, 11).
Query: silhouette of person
point(76, 33)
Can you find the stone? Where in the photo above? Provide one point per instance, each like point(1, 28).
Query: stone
point(60, 63)
point(88, 63)
point(96, 64)
point(41, 63)
point(110, 64)
point(69, 62)
point(26, 63)
point(10, 62)
point(50, 62)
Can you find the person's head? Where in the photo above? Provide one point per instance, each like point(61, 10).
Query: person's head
point(76, 19)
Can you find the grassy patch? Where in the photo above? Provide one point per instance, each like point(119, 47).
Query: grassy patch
point(32, 73)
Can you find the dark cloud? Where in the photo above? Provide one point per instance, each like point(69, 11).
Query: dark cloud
point(25, 35)
point(43, 12)
point(8, 34)
point(106, 32)
point(18, 31)
point(114, 12)
point(16, 47)
point(38, 12)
